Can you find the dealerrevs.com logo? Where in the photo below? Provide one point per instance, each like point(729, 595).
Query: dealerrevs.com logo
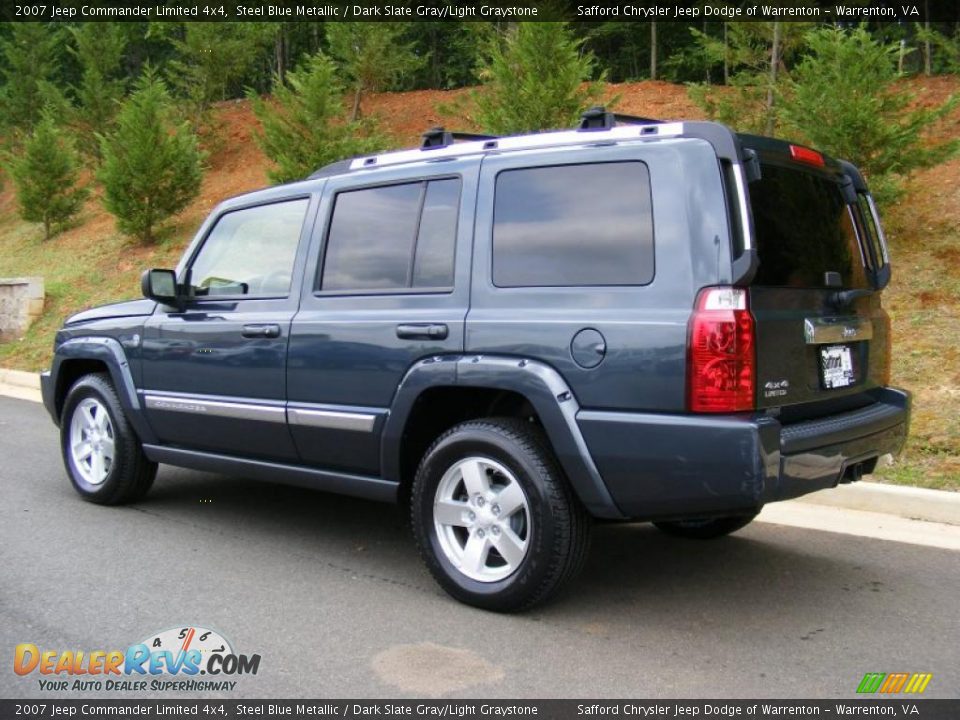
point(172, 660)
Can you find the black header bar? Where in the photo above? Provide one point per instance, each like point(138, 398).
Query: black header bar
point(478, 11)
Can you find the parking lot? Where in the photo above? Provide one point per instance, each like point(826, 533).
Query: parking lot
point(330, 593)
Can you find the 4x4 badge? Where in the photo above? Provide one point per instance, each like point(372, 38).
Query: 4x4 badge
point(775, 388)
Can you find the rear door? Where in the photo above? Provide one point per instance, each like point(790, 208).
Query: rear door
point(822, 335)
point(388, 285)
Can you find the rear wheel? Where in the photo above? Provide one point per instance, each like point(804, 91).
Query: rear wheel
point(103, 456)
point(707, 528)
point(494, 519)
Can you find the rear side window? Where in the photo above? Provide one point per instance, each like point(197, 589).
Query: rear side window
point(393, 237)
point(573, 225)
point(803, 229)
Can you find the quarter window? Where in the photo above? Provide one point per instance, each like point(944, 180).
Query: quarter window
point(393, 237)
point(573, 225)
point(250, 251)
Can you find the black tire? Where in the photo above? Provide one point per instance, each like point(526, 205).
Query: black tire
point(705, 529)
point(130, 474)
point(559, 529)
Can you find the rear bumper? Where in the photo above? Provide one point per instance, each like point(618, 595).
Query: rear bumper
point(670, 466)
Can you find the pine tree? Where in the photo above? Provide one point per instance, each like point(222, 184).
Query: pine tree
point(45, 174)
point(841, 99)
point(534, 80)
point(31, 62)
point(99, 48)
point(303, 127)
point(373, 55)
point(213, 59)
point(151, 165)
point(755, 56)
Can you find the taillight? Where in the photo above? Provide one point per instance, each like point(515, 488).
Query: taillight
point(721, 369)
point(806, 155)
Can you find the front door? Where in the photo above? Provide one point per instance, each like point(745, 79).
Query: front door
point(214, 374)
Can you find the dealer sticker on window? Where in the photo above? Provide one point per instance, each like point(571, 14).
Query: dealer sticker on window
point(836, 366)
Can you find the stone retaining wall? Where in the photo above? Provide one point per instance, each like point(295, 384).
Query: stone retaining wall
point(21, 303)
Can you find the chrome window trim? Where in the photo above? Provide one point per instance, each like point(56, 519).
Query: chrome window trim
point(881, 237)
point(742, 206)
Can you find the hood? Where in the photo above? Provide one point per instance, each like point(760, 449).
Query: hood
point(129, 308)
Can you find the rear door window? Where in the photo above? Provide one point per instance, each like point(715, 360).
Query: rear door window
point(573, 225)
point(803, 229)
point(393, 237)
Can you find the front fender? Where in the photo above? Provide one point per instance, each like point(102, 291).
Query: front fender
point(109, 352)
point(539, 383)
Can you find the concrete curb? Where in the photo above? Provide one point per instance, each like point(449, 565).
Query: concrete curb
point(936, 506)
point(21, 385)
point(939, 506)
point(20, 379)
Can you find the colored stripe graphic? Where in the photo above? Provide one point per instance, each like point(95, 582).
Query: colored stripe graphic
point(893, 683)
point(871, 682)
point(918, 682)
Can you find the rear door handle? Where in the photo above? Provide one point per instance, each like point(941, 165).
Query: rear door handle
point(261, 331)
point(422, 331)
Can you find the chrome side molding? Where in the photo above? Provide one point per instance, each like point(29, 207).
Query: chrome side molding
point(279, 412)
point(331, 419)
point(218, 408)
point(822, 331)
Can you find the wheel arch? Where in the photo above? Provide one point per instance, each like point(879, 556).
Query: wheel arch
point(438, 393)
point(85, 355)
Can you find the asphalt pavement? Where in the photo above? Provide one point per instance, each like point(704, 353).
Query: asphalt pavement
point(330, 593)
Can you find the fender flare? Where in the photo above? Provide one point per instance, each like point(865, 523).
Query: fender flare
point(110, 352)
point(539, 383)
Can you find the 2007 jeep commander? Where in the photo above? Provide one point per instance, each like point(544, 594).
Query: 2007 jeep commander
point(633, 320)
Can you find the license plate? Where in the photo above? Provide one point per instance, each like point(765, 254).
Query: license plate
point(836, 366)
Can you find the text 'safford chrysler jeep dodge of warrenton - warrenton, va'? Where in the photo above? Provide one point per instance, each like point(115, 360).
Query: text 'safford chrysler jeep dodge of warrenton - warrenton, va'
point(632, 320)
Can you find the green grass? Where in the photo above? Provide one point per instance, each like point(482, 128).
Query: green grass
point(86, 265)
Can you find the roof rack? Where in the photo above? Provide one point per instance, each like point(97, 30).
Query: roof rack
point(599, 118)
point(437, 137)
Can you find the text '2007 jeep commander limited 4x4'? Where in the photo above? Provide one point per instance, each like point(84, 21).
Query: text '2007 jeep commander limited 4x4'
point(633, 320)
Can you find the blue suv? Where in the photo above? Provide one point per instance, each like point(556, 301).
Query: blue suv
point(632, 320)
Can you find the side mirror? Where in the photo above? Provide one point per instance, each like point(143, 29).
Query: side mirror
point(160, 286)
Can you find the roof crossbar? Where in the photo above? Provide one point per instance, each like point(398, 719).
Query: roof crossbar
point(438, 138)
point(599, 118)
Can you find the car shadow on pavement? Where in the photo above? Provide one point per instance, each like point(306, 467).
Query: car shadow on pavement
point(756, 575)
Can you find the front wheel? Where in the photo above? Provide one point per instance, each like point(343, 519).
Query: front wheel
point(705, 529)
point(102, 454)
point(494, 519)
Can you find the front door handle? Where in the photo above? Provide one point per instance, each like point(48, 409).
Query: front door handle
point(261, 331)
point(422, 331)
